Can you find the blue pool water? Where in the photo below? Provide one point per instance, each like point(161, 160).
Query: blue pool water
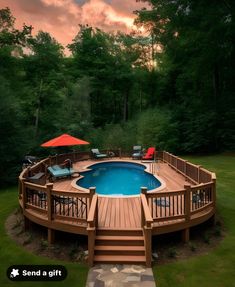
point(118, 178)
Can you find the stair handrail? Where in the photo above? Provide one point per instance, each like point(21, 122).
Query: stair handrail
point(146, 224)
point(92, 214)
point(92, 223)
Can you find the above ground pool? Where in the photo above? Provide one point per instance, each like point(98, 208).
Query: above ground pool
point(118, 178)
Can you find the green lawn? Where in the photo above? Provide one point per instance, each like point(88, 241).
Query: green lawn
point(11, 253)
point(215, 269)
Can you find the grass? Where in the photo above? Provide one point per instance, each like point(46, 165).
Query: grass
point(217, 267)
point(214, 269)
point(11, 253)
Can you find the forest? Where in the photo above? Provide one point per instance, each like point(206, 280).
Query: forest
point(172, 87)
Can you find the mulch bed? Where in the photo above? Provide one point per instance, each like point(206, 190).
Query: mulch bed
point(73, 248)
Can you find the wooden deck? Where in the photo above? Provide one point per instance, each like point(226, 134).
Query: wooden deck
point(120, 213)
point(186, 198)
point(124, 212)
point(172, 179)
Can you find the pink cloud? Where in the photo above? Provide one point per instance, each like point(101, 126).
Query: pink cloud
point(61, 17)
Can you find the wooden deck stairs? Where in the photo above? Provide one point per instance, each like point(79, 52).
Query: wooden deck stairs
point(119, 246)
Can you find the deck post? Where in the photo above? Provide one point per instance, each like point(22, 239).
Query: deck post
point(187, 210)
point(92, 191)
point(73, 156)
point(91, 232)
point(27, 223)
point(148, 245)
point(185, 232)
point(50, 236)
point(214, 189)
point(120, 152)
point(185, 167)
point(143, 191)
point(92, 222)
point(146, 224)
point(24, 195)
point(49, 201)
point(198, 173)
point(185, 235)
point(50, 160)
point(19, 189)
point(214, 196)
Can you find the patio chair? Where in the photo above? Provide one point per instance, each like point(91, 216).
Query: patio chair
point(56, 171)
point(137, 152)
point(196, 198)
point(96, 153)
point(70, 202)
point(63, 200)
point(150, 154)
point(162, 202)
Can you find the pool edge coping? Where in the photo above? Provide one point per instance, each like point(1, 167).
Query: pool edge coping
point(86, 168)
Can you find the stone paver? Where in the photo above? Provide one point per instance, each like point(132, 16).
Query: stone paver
point(107, 275)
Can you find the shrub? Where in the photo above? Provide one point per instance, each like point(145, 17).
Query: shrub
point(28, 239)
point(172, 253)
point(206, 238)
point(192, 246)
point(43, 244)
point(154, 127)
point(217, 231)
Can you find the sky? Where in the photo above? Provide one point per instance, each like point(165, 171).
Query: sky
point(61, 17)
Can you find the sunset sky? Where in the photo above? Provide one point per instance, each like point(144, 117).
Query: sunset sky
point(61, 17)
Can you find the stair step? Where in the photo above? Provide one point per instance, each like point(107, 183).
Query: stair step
point(119, 259)
point(119, 250)
point(125, 238)
point(119, 240)
point(120, 232)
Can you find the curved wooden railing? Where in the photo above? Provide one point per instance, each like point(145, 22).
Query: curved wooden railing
point(182, 204)
point(157, 208)
point(50, 203)
point(194, 173)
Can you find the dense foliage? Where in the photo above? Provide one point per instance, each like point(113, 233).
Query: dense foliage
point(116, 90)
point(196, 69)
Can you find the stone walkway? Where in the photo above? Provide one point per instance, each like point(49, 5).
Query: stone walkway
point(107, 275)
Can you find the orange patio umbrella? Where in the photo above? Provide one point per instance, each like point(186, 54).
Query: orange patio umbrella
point(64, 140)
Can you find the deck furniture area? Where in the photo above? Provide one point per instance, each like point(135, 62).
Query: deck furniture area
point(149, 154)
point(56, 171)
point(119, 229)
point(137, 152)
point(96, 153)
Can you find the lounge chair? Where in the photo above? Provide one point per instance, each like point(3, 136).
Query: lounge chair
point(150, 154)
point(56, 171)
point(96, 153)
point(137, 152)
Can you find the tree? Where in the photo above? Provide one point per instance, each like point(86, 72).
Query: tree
point(110, 61)
point(196, 66)
point(44, 80)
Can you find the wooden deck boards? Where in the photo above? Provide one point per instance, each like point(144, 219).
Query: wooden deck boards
point(125, 212)
point(119, 213)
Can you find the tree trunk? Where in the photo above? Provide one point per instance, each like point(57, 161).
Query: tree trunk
point(38, 108)
point(125, 113)
point(141, 100)
point(216, 88)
